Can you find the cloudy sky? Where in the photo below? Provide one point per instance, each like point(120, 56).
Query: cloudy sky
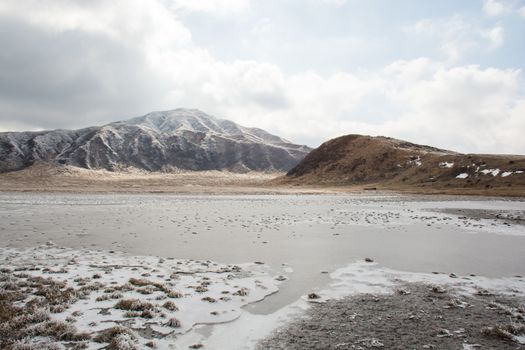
point(447, 73)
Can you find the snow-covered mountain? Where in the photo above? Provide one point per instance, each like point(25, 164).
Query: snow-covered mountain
point(176, 139)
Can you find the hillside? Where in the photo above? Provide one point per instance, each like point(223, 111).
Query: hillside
point(180, 139)
point(396, 164)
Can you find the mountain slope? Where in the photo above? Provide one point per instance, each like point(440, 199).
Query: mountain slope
point(177, 139)
point(357, 159)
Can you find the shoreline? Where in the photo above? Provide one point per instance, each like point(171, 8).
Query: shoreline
point(269, 191)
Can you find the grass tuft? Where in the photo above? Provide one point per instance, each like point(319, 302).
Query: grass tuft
point(133, 305)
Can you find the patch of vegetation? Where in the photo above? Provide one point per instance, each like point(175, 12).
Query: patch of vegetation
point(23, 325)
point(133, 305)
point(170, 305)
point(505, 332)
point(118, 338)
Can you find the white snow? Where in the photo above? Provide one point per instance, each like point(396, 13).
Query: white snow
point(415, 161)
point(361, 277)
point(462, 176)
point(446, 164)
point(520, 339)
point(178, 121)
point(493, 172)
point(496, 172)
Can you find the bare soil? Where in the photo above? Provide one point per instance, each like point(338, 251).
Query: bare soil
point(416, 316)
point(505, 217)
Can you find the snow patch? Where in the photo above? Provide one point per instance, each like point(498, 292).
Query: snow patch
point(493, 172)
point(446, 164)
point(362, 277)
point(414, 161)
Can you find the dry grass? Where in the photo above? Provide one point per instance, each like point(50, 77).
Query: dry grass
point(170, 305)
point(118, 338)
point(145, 290)
point(25, 323)
point(28, 344)
point(133, 305)
point(55, 329)
point(139, 282)
point(46, 177)
point(111, 296)
point(173, 322)
point(148, 286)
point(505, 332)
point(21, 324)
point(174, 294)
point(378, 163)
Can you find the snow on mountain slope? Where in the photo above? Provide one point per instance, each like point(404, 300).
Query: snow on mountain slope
point(180, 120)
point(177, 139)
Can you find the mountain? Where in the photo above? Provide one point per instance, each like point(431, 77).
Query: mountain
point(177, 139)
point(391, 163)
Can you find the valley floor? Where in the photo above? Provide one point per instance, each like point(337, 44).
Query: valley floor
point(46, 178)
point(131, 271)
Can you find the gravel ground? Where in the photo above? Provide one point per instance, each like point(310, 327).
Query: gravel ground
point(416, 316)
point(505, 217)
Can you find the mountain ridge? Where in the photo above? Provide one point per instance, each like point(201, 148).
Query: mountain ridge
point(185, 139)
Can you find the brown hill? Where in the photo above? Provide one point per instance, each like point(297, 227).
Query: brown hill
point(395, 164)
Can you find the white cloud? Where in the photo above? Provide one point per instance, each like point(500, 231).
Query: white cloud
point(471, 108)
point(463, 108)
point(454, 35)
point(215, 7)
point(132, 22)
point(83, 66)
point(458, 36)
point(333, 2)
point(263, 26)
point(521, 11)
point(494, 36)
point(495, 8)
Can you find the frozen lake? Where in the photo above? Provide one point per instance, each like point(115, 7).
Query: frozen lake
point(303, 237)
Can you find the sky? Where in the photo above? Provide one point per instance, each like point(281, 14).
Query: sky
point(445, 73)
